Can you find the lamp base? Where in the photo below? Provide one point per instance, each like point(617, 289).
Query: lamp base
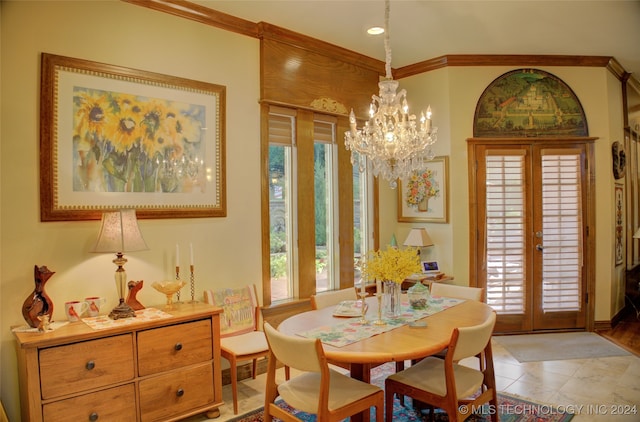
point(122, 311)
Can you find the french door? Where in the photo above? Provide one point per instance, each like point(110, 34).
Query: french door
point(531, 231)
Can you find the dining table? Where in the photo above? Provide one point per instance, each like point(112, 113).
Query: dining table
point(418, 339)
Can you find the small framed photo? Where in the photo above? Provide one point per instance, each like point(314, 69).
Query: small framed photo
point(430, 267)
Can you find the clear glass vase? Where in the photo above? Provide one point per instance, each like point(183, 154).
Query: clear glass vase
point(391, 305)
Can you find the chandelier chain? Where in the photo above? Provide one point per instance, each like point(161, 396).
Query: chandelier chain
point(393, 142)
point(387, 42)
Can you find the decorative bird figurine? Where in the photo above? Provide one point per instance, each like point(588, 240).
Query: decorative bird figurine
point(38, 303)
point(134, 288)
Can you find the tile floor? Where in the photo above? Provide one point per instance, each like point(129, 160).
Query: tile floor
point(602, 385)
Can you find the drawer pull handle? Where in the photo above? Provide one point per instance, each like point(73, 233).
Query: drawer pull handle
point(178, 346)
point(180, 392)
point(90, 365)
point(93, 417)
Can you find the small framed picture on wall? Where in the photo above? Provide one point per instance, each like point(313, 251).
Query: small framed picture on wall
point(619, 218)
point(423, 196)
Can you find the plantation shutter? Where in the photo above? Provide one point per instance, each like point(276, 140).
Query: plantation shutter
point(505, 230)
point(562, 230)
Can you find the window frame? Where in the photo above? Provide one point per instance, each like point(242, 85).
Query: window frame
point(304, 144)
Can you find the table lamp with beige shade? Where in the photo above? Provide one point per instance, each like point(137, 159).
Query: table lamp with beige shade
point(418, 238)
point(120, 233)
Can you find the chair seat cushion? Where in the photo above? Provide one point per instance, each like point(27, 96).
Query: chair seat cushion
point(245, 344)
point(302, 392)
point(428, 375)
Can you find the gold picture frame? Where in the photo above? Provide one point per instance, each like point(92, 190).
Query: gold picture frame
point(112, 137)
point(424, 195)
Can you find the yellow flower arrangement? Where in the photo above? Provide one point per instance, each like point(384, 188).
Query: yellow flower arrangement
point(391, 264)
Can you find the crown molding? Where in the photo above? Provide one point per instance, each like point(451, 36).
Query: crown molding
point(207, 16)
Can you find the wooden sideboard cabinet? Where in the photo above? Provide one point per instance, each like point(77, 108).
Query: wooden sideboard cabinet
point(159, 370)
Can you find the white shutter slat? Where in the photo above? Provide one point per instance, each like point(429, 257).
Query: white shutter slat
point(561, 225)
point(505, 213)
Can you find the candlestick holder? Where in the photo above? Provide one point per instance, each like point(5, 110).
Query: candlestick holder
point(178, 279)
point(379, 321)
point(193, 284)
point(363, 317)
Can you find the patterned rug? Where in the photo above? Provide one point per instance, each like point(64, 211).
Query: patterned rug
point(510, 408)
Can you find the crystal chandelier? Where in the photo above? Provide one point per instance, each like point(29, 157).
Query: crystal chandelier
point(393, 141)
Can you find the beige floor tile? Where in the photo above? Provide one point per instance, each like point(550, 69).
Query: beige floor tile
point(508, 369)
point(547, 379)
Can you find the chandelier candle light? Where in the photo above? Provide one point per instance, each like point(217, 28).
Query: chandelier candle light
point(393, 141)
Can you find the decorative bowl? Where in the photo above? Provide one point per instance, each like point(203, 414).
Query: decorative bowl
point(168, 288)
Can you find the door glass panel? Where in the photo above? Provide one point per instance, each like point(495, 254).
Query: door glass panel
point(505, 222)
point(562, 229)
point(325, 220)
point(281, 204)
point(322, 217)
point(361, 219)
point(280, 211)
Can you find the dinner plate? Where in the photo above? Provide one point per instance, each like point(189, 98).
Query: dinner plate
point(349, 308)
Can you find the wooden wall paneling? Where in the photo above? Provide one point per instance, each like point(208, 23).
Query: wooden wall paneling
point(296, 76)
point(306, 205)
point(346, 208)
point(264, 205)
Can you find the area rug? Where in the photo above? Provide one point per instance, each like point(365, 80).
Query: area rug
point(510, 408)
point(560, 346)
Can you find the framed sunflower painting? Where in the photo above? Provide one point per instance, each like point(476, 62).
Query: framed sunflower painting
point(113, 137)
point(424, 196)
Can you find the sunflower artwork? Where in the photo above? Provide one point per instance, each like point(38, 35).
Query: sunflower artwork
point(132, 143)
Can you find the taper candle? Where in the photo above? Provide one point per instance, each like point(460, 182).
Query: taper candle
point(191, 253)
point(177, 255)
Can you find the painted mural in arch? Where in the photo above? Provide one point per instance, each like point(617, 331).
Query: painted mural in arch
point(529, 103)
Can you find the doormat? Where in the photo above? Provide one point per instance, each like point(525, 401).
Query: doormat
point(558, 346)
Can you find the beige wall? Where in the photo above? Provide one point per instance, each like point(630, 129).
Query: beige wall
point(456, 91)
point(227, 250)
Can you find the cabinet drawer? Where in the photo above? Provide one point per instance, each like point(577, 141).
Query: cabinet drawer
point(114, 404)
point(179, 345)
point(89, 364)
point(166, 395)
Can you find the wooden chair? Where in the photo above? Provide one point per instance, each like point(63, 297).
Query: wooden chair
point(446, 384)
point(460, 292)
point(319, 390)
point(240, 338)
point(332, 297)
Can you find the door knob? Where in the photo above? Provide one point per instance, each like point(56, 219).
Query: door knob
point(539, 247)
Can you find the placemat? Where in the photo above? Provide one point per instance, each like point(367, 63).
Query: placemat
point(351, 330)
point(28, 329)
point(102, 322)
